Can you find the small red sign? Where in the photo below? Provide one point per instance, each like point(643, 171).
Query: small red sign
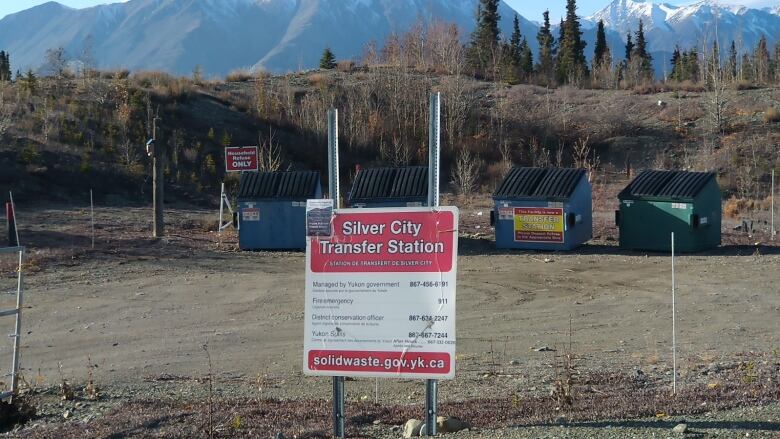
point(241, 158)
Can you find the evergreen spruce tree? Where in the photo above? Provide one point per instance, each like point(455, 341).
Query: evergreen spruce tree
point(561, 35)
point(747, 68)
point(761, 61)
point(516, 41)
point(546, 48)
point(485, 38)
point(629, 48)
point(692, 66)
point(601, 45)
point(776, 64)
point(676, 64)
point(328, 59)
point(30, 81)
point(732, 63)
point(5, 67)
point(572, 64)
point(640, 52)
point(527, 59)
point(514, 54)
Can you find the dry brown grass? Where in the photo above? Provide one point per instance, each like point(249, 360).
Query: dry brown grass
point(239, 75)
point(319, 80)
point(345, 66)
point(690, 86)
point(748, 382)
point(735, 207)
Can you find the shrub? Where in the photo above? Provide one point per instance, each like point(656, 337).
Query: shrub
point(744, 85)
point(29, 154)
point(319, 80)
point(771, 114)
point(239, 75)
point(690, 86)
point(345, 66)
point(734, 207)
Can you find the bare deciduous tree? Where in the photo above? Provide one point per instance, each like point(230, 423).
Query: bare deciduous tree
point(269, 153)
point(466, 171)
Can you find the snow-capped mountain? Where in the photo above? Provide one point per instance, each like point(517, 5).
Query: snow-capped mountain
point(696, 24)
point(282, 35)
point(222, 35)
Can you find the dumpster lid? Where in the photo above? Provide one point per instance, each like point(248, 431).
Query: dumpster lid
point(526, 182)
point(387, 183)
point(299, 185)
point(667, 184)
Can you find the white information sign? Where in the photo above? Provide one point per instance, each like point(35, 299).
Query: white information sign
point(380, 294)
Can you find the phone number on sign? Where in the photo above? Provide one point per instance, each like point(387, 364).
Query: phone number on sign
point(428, 284)
point(417, 318)
point(428, 335)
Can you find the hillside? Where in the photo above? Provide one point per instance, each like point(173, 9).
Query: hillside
point(64, 137)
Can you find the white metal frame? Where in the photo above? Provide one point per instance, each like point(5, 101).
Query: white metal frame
point(223, 202)
point(16, 311)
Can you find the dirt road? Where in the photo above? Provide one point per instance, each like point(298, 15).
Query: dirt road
point(140, 309)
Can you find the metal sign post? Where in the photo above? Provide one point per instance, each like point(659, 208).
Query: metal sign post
point(92, 217)
point(157, 182)
point(333, 192)
point(674, 330)
point(772, 215)
point(13, 230)
point(16, 311)
point(434, 139)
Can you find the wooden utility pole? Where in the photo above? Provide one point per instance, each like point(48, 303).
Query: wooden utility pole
point(157, 182)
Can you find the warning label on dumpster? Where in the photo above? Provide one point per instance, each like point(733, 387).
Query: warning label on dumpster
point(380, 294)
point(250, 214)
point(538, 224)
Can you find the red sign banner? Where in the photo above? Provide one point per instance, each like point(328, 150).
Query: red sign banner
point(382, 242)
point(241, 158)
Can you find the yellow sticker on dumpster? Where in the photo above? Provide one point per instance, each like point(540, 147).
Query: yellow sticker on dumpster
point(538, 224)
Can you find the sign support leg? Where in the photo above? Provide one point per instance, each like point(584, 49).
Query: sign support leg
point(333, 190)
point(434, 144)
point(221, 208)
point(338, 407)
point(17, 335)
point(431, 396)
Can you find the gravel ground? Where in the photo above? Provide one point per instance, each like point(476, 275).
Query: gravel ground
point(140, 312)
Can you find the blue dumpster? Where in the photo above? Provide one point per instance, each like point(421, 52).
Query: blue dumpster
point(272, 208)
point(543, 209)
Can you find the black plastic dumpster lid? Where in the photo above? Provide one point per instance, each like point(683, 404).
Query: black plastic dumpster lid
point(383, 183)
point(281, 184)
point(667, 184)
point(523, 182)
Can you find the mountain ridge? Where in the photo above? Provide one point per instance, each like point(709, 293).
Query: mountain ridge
point(284, 35)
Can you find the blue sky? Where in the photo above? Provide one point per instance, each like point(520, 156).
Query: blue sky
point(530, 9)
